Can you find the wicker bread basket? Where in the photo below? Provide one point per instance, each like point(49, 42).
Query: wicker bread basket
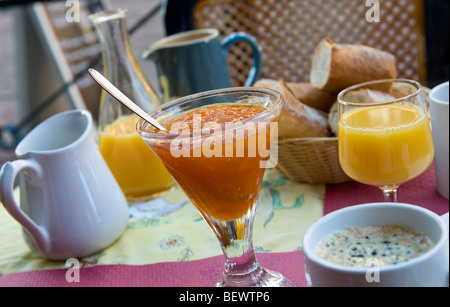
point(310, 160)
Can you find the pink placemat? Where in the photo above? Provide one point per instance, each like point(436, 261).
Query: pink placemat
point(421, 191)
point(199, 273)
point(205, 273)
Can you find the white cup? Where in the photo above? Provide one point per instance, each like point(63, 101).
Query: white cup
point(428, 270)
point(439, 122)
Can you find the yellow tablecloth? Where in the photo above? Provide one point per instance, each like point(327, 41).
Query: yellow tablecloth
point(170, 229)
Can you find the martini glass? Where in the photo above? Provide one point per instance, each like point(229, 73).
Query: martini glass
point(384, 134)
point(223, 181)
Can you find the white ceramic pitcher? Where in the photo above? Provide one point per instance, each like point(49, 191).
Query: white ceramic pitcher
point(70, 204)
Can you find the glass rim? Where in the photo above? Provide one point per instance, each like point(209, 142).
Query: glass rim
point(344, 92)
point(141, 124)
point(108, 15)
point(174, 39)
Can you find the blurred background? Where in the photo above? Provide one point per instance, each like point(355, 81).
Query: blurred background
point(11, 108)
point(27, 78)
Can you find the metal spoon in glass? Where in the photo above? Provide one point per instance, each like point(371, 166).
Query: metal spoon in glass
point(116, 93)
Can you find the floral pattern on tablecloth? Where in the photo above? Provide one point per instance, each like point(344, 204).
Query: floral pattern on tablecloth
point(172, 229)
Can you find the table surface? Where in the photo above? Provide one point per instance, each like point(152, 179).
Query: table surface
point(171, 229)
point(169, 235)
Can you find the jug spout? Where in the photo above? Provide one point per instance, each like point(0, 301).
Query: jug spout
point(150, 54)
point(163, 48)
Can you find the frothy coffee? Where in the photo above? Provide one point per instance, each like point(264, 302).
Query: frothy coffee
point(390, 245)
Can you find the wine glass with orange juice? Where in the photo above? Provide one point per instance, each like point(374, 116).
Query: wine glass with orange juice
point(384, 134)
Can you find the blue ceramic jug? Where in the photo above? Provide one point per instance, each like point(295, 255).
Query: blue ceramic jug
point(195, 61)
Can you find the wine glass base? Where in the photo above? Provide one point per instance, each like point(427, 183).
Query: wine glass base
point(259, 277)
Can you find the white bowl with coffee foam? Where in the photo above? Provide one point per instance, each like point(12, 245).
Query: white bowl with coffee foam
point(429, 269)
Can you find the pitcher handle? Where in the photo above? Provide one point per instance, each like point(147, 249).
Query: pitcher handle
point(257, 54)
point(8, 174)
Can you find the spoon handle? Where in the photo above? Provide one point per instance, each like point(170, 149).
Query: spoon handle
point(116, 93)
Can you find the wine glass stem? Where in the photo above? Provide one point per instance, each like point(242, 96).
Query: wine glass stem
point(390, 194)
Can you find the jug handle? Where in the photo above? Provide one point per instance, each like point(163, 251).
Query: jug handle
point(236, 37)
point(8, 175)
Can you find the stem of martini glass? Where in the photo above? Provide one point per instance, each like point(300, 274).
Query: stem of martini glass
point(241, 266)
point(235, 238)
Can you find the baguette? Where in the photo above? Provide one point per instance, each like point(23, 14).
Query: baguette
point(305, 92)
point(312, 96)
point(298, 120)
point(338, 66)
point(333, 118)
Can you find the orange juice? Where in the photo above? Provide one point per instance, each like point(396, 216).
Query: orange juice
point(385, 145)
point(140, 174)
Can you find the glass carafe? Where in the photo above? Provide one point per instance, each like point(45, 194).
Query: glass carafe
point(128, 157)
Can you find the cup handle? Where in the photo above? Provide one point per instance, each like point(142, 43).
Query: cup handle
point(255, 71)
point(8, 174)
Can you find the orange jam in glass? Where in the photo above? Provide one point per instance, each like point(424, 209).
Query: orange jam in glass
point(219, 171)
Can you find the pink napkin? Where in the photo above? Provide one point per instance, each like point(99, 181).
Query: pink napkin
point(200, 273)
point(421, 191)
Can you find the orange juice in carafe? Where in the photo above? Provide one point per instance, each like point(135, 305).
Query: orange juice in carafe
point(140, 174)
point(384, 145)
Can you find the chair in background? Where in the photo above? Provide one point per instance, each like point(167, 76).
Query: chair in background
point(289, 30)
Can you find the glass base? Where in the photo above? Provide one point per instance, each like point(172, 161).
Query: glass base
point(257, 278)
